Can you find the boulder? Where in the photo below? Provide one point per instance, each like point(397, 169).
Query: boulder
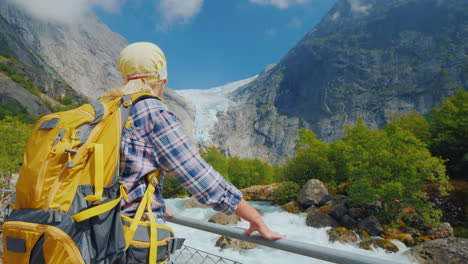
point(338, 211)
point(236, 244)
point(342, 235)
point(292, 207)
point(318, 219)
point(355, 213)
point(445, 250)
point(348, 222)
point(443, 230)
point(386, 244)
point(411, 218)
point(340, 199)
point(371, 225)
point(394, 233)
point(310, 209)
point(224, 219)
point(313, 192)
point(366, 240)
point(260, 192)
point(193, 203)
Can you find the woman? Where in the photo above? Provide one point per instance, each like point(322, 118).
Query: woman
point(156, 141)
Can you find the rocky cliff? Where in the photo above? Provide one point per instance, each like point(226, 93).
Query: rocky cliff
point(366, 58)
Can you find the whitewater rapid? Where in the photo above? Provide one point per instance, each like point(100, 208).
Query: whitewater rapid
point(209, 103)
point(291, 225)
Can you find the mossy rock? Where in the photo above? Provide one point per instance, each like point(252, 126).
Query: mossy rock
point(342, 235)
point(236, 244)
point(387, 245)
point(292, 207)
point(326, 209)
point(366, 240)
point(394, 233)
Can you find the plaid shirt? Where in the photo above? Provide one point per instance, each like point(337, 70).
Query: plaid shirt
point(155, 140)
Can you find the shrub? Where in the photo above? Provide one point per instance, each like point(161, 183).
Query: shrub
point(286, 193)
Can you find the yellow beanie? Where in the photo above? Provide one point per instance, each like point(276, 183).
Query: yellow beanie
point(142, 59)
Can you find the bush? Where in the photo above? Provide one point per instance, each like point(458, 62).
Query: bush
point(172, 188)
point(286, 193)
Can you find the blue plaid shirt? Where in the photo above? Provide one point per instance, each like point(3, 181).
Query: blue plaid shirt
point(155, 140)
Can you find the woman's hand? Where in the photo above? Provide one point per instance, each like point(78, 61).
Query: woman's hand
point(168, 213)
point(263, 229)
point(247, 212)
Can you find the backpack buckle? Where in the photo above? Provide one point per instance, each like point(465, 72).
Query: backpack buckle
point(153, 177)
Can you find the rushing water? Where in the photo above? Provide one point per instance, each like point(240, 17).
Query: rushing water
point(291, 225)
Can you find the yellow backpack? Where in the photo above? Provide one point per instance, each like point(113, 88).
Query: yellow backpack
point(68, 193)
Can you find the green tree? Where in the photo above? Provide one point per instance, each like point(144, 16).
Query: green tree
point(391, 166)
point(215, 158)
point(449, 129)
point(13, 137)
point(311, 160)
point(414, 123)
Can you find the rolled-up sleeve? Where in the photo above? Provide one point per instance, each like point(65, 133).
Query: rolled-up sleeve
point(177, 156)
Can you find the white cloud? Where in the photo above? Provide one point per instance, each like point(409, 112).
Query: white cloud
point(282, 4)
point(177, 12)
point(271, 32)
point(358, 7)
point(66, 11)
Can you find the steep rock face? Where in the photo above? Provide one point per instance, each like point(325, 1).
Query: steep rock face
point(83, 53)
point(9, 90)
point(368, 59)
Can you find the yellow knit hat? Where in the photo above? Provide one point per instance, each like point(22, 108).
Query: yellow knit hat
point(142, 59)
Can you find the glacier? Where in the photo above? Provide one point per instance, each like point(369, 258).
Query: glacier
point(209, 103)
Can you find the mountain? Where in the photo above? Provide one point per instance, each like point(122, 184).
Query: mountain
point(77, 59)
point(366, 59)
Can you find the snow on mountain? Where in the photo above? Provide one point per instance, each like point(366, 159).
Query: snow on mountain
point(209, 103)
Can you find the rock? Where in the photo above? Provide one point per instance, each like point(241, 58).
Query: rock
point(446, 250)
point(355, 213)
point(371, 225)
point(387, 245)
point(443, 230)
point(318, 219)
point(236, 244)
point(224, 219)
point(313, 192)
point(342, 235)
point(340, 199)
point(411, 218)
point(394, 233)
point(366, 240)
point(326, 209)
point(292, 207)
point(348, 222)
point(338, 211)
point(411, 230)
point(260, 192)
point(193, 203)
point(310, 209)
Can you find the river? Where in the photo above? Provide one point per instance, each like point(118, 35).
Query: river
point(291, 225)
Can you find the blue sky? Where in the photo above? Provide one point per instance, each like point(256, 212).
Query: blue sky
point(210, 43)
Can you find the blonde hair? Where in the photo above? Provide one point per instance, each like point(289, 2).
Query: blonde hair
point(134, 86)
